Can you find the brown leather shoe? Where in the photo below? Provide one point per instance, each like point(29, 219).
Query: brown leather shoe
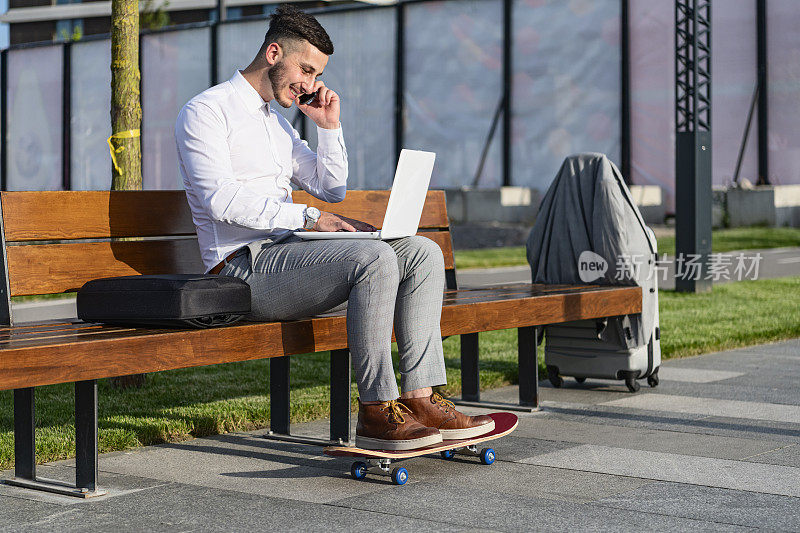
point(390, 426)
point(436, 412)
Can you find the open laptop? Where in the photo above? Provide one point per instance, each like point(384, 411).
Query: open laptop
point(410, 187)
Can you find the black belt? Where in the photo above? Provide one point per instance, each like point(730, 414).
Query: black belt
point(217, 269)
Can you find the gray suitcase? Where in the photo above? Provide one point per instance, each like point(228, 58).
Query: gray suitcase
point(576, 349)
point(588, 209)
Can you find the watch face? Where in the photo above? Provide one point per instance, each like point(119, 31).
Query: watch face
point(312, 214)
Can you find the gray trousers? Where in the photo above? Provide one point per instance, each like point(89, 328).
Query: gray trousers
point(383, 283)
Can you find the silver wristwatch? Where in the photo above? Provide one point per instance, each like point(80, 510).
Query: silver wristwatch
point(311, 215)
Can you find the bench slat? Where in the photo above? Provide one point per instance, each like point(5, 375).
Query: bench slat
point(49, 332)
point(466, 295)
point(513, 311)
point(56, 268)
point(443, 239)
point(67, 215)
point(76, 357)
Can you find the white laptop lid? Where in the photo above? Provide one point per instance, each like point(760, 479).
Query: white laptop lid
point(410, 187)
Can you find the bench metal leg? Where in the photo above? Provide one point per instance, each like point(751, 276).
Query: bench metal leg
point(279, 387)
point(85, 444)
point(340, 396)
point(470, 375)
point(528, 367)
point(86, 435)
point(24, 434)
point(279, 395)
point(528, 383)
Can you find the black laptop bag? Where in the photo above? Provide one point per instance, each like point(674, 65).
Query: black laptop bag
point(178, 300)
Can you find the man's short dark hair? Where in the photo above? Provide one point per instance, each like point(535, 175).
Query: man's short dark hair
point(290, 24)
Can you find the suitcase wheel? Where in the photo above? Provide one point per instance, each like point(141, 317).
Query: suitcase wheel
point(652, 379)
point(630, 381)
point(552, 375)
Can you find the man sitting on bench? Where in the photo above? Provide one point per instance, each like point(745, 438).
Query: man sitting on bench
point(238, 159)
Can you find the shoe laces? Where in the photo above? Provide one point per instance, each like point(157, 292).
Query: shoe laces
point(395, 411)
point(439, 400)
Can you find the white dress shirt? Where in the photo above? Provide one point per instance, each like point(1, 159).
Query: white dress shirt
point(238, 159)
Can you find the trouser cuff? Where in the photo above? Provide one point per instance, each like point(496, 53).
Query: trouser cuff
point(379, 394)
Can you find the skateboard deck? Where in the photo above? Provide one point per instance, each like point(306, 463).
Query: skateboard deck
point(504, 423)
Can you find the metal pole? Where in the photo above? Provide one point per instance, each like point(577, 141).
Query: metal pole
point(693, 144)
point(4, 120)
point(488, 143)
point(745, 136)
point(625, 92)
point(221, 15)
point(66, 118)
point(763, 93)
point(214, 73)
point(399, 79)
point(508, 7)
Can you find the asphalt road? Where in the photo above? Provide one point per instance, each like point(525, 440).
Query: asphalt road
point(773, 263)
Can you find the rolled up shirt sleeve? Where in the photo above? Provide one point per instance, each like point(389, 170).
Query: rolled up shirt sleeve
point(203, 150)
point(324, 173)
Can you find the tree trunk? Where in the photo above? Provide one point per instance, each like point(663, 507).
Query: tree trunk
point(126, 111)
point(126, 116)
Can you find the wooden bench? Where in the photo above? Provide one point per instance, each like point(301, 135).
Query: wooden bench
point(53, 242)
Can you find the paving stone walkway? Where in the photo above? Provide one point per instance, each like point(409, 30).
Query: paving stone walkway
point(716, 447)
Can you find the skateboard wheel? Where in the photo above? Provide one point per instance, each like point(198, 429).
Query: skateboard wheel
point(447, 454)
point(358, 470)
point(488, 456)
point(399, 476)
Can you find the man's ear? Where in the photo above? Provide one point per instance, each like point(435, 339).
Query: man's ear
point(273, 53)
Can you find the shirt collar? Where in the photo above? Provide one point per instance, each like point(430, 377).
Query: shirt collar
point(252, 100)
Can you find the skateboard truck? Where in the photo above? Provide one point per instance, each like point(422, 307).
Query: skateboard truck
point(382, 466)
point(487, 455)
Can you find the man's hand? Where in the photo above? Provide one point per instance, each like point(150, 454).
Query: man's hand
point(324, 109)
point(331, 222)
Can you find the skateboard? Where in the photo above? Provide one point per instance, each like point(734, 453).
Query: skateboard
point(380, 461)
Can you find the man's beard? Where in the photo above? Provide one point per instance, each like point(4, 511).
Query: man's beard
point(277, 78)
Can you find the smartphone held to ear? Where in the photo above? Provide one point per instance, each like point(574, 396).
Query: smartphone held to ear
point(306, 99)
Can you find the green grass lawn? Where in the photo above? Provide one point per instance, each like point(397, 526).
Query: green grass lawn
point(724, 240)
point(728, 240)
point(182, 404)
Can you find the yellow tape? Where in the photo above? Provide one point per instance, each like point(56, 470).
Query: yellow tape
point(127, 134)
